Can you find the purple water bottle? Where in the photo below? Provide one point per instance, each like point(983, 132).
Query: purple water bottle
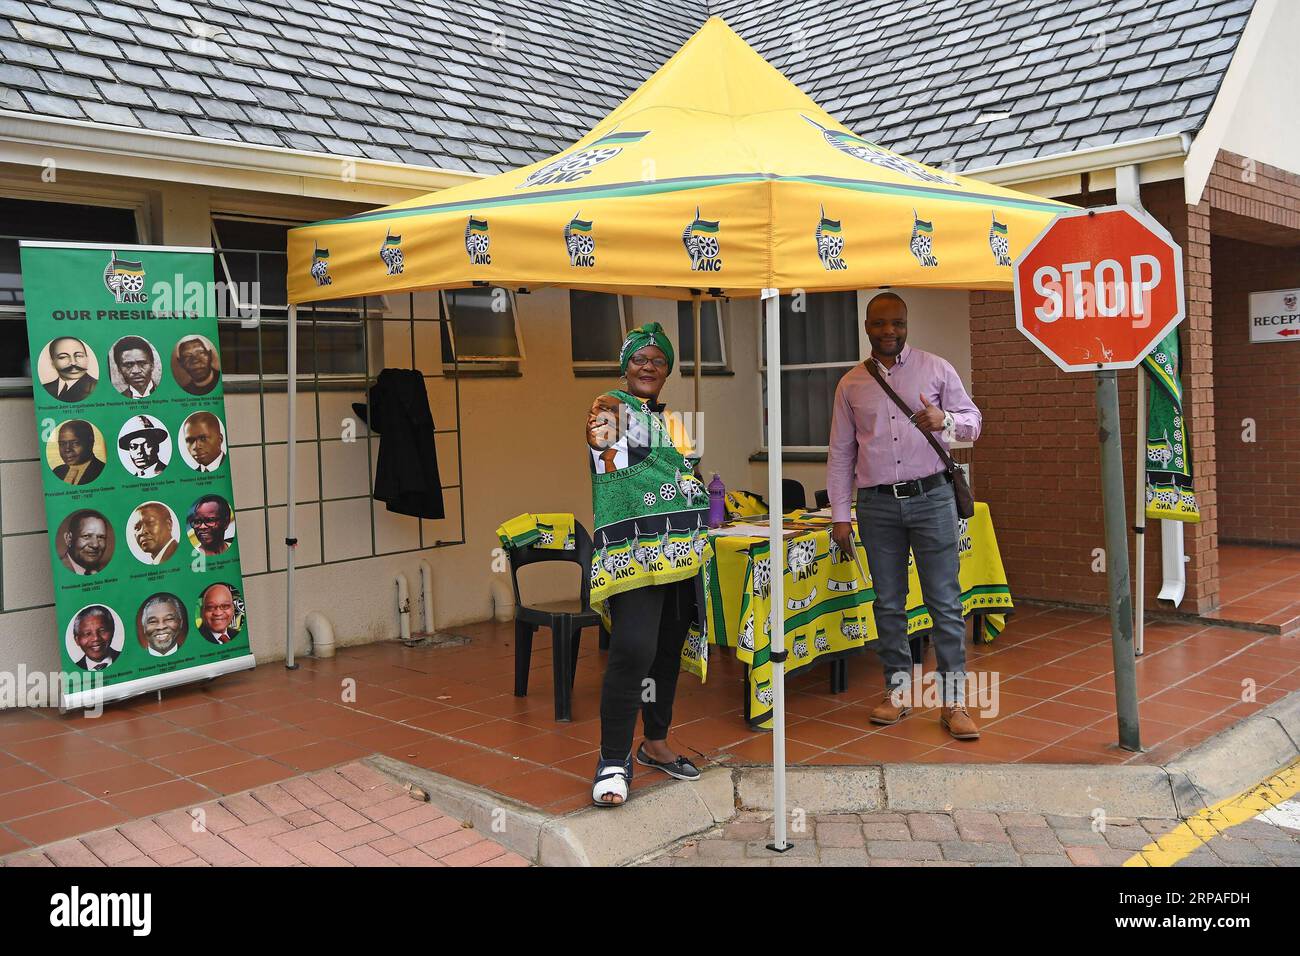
point(717, 502)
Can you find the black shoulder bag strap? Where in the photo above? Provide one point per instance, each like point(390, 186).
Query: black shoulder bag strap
point(961, 489)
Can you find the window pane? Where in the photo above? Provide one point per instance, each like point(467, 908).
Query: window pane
point(594, 326)
point(15, 358)
point(324, 348)
point(32, 219)
point(254, 252)
point(807, 401)
point(710, 333)
point(825, 331)
point(481, 331)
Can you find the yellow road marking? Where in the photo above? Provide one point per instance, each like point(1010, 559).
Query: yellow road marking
point(1199, 829)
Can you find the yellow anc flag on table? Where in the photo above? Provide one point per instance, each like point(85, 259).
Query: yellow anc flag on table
point(828, 606)
point(552, 531)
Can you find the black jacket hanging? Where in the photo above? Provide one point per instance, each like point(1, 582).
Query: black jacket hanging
point(406, 473)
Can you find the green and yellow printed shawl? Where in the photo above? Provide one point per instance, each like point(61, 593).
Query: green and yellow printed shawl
point(651, 522)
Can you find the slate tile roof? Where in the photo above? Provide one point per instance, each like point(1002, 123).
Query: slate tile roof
point(486, 85)
point(975, 83)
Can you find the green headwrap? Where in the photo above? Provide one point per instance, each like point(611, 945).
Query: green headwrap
point(652, 333)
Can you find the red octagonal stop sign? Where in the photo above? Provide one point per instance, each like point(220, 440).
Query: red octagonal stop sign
point(1099, 288)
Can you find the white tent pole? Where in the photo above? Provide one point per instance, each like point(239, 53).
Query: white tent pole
point(290, 541)
point(699, 359)
point(776, 560)
point(1140, 516)
point(1128, 191)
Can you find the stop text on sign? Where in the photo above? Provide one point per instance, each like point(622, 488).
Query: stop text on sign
point(1079, 290)
point(1098, 288)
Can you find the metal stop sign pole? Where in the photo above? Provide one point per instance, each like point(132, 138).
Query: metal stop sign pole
point(1117, 578)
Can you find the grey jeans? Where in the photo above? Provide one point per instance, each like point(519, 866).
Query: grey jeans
point(927, 523)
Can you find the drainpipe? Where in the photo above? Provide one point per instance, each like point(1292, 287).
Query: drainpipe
point(1174, 573)
point(1128, 193)
point(426, 596)
point(321, 633)
point(403, 607)
point(503, 600)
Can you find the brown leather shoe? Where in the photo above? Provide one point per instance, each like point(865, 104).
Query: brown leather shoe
point(959, 723)
point(888, 712)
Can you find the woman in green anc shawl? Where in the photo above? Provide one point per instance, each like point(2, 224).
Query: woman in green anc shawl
point(651, 541)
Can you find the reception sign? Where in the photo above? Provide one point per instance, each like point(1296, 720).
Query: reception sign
point(134, 460)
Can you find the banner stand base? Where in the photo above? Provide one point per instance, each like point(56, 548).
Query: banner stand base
point(98, 696)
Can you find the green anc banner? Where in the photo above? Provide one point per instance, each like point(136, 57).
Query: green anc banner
point(1169, 452)
point(135, 463)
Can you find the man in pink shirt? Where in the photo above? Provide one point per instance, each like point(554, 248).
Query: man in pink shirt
point(904, 501)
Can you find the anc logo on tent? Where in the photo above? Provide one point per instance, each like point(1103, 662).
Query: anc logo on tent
point(922, 241)
point(571, 168)
point(860, 148)
point(830, 243)
point(477, 242)
point(998, 241)
point(579, 242)
point(320, 266)
point(125, 279)
point(391, 255)
point(701, 240)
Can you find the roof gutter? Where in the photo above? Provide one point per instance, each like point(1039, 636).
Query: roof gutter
point(32, 139)
point(1160, 157)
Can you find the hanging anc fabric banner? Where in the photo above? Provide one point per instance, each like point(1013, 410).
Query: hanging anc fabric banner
point(1169, 455)
point(135, 463)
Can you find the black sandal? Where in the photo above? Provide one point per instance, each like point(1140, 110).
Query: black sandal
point(681, 768)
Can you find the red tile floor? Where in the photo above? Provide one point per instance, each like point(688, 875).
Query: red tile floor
point(451, 709)
point(1260, 585)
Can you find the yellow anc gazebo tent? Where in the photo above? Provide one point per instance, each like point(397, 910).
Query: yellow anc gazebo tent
point(717, 176)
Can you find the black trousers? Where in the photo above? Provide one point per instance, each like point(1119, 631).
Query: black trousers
point(649, 627)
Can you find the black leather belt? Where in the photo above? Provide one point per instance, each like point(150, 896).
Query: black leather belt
point(910, 489)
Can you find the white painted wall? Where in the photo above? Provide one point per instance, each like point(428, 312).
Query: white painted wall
point(522, 444)
point(523, 450)
point(1253, 114)
point(938, 321)
point(1262, 127)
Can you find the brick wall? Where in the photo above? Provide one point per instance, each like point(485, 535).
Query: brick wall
point(1259, 482)
point(1254, 201)
point(1255, 217)
point(1038, 461)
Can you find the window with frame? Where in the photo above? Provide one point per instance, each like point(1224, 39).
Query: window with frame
point(53, 221)
point(712, 341)
point(484, 329)
point(819, 344)
point(252, 265)
point(597, 327)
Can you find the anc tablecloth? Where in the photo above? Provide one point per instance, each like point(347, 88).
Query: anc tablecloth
point(828, 606)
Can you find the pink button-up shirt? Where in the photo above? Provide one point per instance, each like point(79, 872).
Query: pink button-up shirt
point(873, 442)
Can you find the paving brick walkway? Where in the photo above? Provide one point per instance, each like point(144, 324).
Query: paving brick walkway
point(346, 816)
point(970, 838)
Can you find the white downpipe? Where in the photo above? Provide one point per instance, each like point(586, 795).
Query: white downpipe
point(426, 595)
point(503, 600)
point(321, 632)
point(776, 557)
point(1173, 563)
point(403, 606)
point(1140, 518)
point(290, 472)
point(1128, 192)
point(699, 359)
